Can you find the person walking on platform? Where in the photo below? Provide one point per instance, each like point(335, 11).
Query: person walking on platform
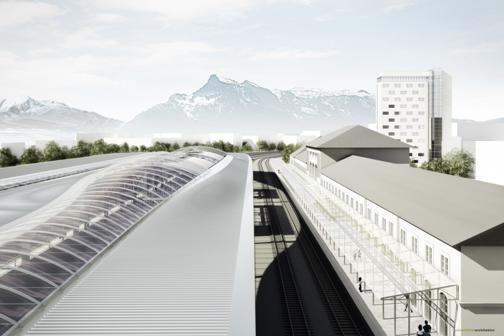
point(407, 304)
point(427, 328)
point(360, 284)
point(420, 331)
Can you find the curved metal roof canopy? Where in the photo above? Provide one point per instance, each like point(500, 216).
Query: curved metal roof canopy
point(44, 250)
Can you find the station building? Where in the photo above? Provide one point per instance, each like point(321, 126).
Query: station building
point(432, 241)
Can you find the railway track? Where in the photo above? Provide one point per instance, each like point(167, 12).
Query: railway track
point(341, 315)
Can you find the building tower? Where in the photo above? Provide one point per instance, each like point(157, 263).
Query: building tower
point(415, 107)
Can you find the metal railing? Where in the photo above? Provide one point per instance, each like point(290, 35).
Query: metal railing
point(327, 210)
point(425, 295)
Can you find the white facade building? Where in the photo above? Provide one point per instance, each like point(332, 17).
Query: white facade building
point(414, 235)
point(415, 107)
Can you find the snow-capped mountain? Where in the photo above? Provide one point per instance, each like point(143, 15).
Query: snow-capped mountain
point(225, 105)
point(29, 115)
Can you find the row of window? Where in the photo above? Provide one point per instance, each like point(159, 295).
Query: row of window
point(387, 226)
point(404, 120)
point(414, 134)
point(399, 99)
point(407, 85)
point(403, 92)
point(420, 113)
point(415, 106)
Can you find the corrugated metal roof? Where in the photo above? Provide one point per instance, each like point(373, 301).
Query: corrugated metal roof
point(176, 273)
point(451, 208)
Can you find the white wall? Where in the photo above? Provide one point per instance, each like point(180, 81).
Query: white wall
point(131, 141)
point(489, 159)
point(376, 212)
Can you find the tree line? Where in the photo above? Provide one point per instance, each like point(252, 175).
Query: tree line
point(457, 162)
point(53, 151)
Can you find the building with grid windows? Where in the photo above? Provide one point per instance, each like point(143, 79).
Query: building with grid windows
point(432, 241)
point(415, 107)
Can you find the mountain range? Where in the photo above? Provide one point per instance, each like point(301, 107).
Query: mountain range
point(220, 105)
point(25, 118)
point(225, 105)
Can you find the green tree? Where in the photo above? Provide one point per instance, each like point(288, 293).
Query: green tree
point(143, 148)
point(272, 146)
point(112, 148)
point(31, 155)
point(262, 145)
point(134, 148)
point(53, 151)
point(288, 150)
point(82, 149)
point(438, 165)
point(175, 146)
point(218, 144)
point(461, 163)
point(7, 158)
point(246, 147)
point(457, 162)
point(228, 147)
point(280, 146)
point(124, 148)
point(99, 147)
point(160, 147)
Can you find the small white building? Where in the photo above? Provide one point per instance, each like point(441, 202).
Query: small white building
point(288, 139)
point(485, 141)
point(489, 160)
point(168, 138)
point(91, 136)
point(133, 141)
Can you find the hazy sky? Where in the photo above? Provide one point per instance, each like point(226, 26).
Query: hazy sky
point(119, 57)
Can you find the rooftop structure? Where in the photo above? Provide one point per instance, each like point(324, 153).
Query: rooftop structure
point(355, 136)
point(44, 251)
point(353, 140)
point(431, 201)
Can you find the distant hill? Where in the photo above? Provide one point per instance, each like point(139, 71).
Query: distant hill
point(27, 118)
point(225, 105)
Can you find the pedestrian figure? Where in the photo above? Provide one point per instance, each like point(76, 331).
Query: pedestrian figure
point(407, 304)
point(427, 328)
point(420, 331)
point(360, 284)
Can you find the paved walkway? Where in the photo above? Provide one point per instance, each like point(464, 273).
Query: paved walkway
point(345, 250)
